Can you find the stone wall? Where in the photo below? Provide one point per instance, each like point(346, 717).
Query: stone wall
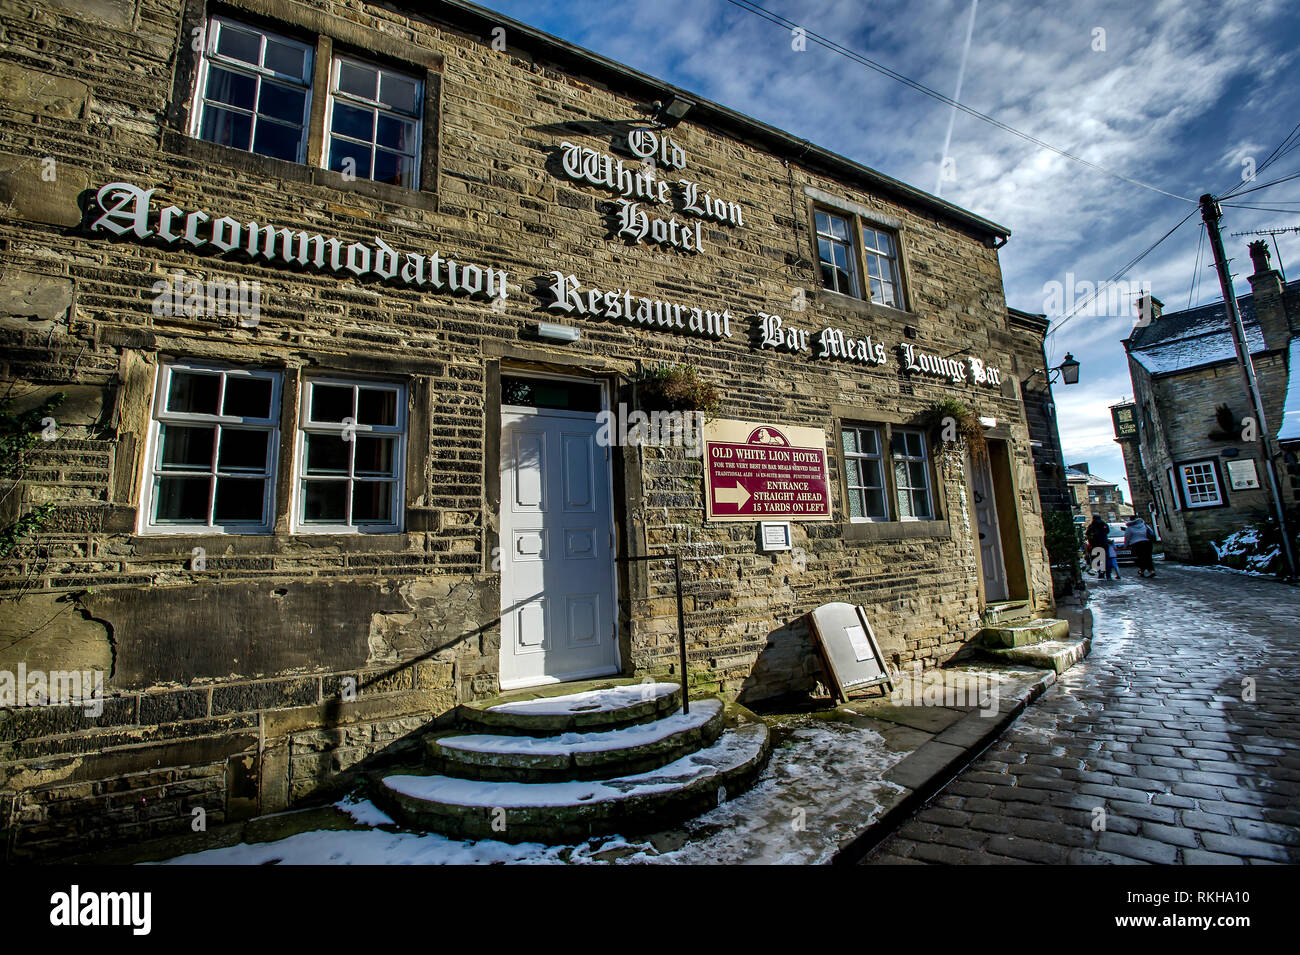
point(231, 679)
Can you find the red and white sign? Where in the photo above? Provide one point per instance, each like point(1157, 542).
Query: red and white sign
point(764, 472)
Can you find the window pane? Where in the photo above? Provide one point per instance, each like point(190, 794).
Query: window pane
point(239, 500)
point(823, 223)
point(242, 450)
point(849, 438)
point(327, 454)
point(331, 402)
point(182, 500)
point(239, 44)
point(193, 392)
point(391, 168)
point(852, 473)
point(282, 102)
point(231, 88)
point(875, 503)
point(872, 473)
point(284, 58)
point(855, 504)
point(374, 456)
point(870, 444)
point(225, 128)
point(395, 133)
point(358, 80)
point(186, 448)
point(277, 140)
point(341, 150)
point(372, 501)
point(398, 92)
point(917, 473)
point(839, 228)
point(873, 266)
point(377, 407)
point(247, 397)
point(350, 121)
point(325, 501)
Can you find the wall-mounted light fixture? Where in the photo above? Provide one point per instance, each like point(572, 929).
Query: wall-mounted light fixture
point(1067, 371)
point(559, 333)
point(671, 114)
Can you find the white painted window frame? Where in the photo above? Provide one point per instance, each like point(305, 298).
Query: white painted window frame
point(924, 459)
point(880, 458)
point(306, 426)
point(210, 56)
point(160, 416)
point(1186, 482)
point(335, 95)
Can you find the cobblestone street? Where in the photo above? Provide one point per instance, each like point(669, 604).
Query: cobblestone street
point(1146, 751)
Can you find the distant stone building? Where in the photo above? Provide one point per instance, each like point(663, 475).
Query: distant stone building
point(1194, 462)
point(1094, 496)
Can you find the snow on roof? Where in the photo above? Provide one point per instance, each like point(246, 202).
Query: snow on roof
point(1289, 429)
point(1193, 352)
point(1195, 337)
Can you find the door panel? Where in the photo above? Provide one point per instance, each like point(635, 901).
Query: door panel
point(557, 575)
point(990, 537)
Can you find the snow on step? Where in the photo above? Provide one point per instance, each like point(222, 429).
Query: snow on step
point(606, 700)
point(733, 750)
point(642, 734)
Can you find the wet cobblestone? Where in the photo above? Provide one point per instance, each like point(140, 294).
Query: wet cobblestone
point(1151, 750)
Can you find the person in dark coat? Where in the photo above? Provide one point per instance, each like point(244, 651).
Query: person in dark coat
point(1138, 537)
point(1097, 536)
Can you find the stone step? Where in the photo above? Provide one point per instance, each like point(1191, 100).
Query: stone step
point(1008, 611)
point(572, 707)
point(1058, 655)
point(601, 754)
point(561, 812)
point(1023, 634)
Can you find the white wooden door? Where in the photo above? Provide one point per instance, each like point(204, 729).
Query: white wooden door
point(990, 535)
point(557, 566)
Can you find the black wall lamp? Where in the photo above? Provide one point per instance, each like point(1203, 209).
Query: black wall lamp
point(672, 112)
point(1067, 371)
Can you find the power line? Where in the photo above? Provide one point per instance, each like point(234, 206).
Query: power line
point(1276, 153)
point(1117, 276)
point(859, 58)
point(1232, 194)
point(1196, 270)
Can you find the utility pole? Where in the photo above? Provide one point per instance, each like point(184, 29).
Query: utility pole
point(1211, 213)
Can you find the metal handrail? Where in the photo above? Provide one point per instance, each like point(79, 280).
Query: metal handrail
point(681, 618)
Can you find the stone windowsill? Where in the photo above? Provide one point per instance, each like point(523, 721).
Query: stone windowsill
point(896, 530)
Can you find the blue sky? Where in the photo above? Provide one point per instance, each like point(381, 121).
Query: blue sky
point(1184, 96)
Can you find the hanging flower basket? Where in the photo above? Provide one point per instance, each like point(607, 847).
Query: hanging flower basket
point(954, 426)
point(676, 388)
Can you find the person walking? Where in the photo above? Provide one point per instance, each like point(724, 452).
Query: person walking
point(1097, 537)
point(1138, 537)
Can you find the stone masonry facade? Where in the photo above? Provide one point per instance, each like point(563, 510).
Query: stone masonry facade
point(248, 673)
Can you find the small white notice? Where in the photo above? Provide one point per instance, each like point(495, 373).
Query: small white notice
point(1242, 474)
point(858, 641)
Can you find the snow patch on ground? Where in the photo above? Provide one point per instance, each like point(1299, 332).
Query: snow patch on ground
point(731, 749)
point(822, 786)
point(641, 734)
point(591, 701)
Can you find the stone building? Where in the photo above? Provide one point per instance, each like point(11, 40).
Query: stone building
point(1091, 495)
point(1195, 458)
point(353, 308)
